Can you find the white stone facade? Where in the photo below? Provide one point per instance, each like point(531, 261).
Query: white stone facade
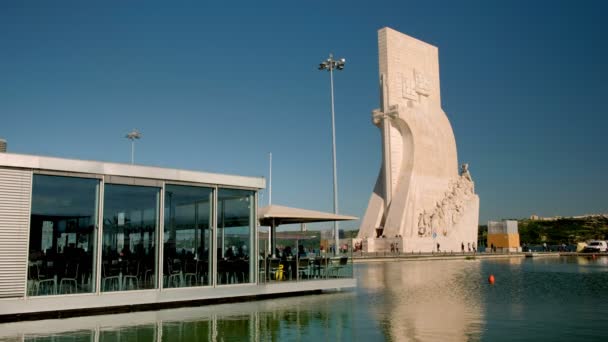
point(420, 198)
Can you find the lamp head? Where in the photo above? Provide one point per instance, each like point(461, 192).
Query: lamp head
point(133, 135)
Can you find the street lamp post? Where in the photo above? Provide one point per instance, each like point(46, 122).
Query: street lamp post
point(270, 233)
point(134, 134)
point(330, 64)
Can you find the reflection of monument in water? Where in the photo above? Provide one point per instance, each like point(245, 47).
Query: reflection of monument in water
point(420, 199)
point(426, 300)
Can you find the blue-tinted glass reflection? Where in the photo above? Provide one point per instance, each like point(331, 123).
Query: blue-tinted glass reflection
point(187, 236)
point(130, 226)
point(235, 218)
point(63, 230)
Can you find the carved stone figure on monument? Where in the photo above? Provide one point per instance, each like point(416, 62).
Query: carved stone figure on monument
point(451, 184)
point(422, 223)
point(449, 217)
point(458, 191)
point(464, 172)
point(470, 186)
point(434, 223)
point(440, 214)
point(428, 219)
point(457, 213)
point(449, 195)
point(445, 221)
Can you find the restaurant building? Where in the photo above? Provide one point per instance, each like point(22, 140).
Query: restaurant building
point(82, 236)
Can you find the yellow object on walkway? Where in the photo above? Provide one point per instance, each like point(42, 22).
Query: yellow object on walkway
point(279, 273)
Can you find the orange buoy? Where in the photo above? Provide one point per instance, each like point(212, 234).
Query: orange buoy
point(491, 279)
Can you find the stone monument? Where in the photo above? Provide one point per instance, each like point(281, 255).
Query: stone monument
point(421, 202)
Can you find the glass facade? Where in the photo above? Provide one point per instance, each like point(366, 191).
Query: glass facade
point(130, 228)
point(63, 231)
point(204, 229)
point(187, 236)
point(235, 239)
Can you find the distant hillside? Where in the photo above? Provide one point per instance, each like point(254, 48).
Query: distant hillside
point(564, 230)
point(558, 231)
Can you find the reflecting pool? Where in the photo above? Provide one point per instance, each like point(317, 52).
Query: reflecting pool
point(553, 298)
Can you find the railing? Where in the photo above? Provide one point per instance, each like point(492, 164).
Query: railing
point(305, 266)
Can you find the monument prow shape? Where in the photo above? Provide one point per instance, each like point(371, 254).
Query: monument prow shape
point(420, 199)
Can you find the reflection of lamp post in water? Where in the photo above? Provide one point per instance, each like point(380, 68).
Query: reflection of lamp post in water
point(172, 232)
point(223, 225)
point(201, 207)
point(195, 251)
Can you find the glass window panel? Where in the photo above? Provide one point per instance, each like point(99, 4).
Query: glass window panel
point(187, 253)
point(235, 215)
point(129, 237)
point(63, 235)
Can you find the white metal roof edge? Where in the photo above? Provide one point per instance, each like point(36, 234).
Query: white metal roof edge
point(126, 170)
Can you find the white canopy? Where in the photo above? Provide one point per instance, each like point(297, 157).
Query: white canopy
point(288, 215)
point(274, 215)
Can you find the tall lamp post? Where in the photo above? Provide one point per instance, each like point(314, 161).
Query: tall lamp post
point(270, 233)
point(134, 134)
point(330, 64)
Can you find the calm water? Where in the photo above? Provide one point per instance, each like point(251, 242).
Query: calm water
point(548, 299)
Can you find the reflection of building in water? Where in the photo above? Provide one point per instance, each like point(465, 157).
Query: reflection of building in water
point(279, 319)
point(426, 300)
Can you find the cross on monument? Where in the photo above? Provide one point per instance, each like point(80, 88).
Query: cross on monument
point(385, 116)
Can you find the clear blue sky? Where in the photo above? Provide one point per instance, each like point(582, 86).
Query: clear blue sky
point(217, 86)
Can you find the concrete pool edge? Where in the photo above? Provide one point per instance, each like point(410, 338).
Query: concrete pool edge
point(450, 256)
point(37, 308)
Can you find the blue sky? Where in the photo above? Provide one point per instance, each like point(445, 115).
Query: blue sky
point(215, 87)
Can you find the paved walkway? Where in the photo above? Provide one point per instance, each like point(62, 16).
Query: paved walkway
point(388, 256)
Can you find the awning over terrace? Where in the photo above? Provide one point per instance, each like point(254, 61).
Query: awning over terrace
point(275, 215)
